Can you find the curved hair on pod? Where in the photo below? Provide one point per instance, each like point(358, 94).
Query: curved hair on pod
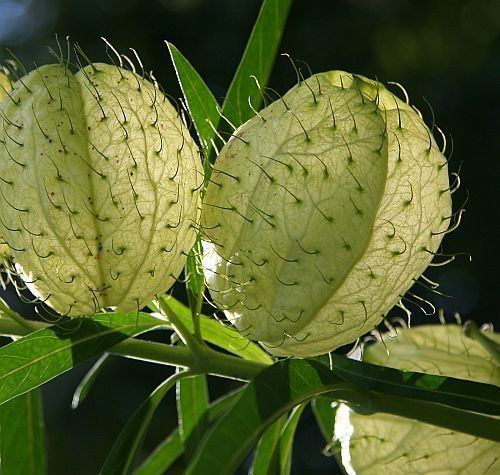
point(322, 212)
point(100, 182)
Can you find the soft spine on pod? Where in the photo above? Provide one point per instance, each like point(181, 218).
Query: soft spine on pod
point(321, 212)
point(383, 443)
point(99, 187)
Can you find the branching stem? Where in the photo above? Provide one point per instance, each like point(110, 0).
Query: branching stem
point(206, 361)
point(190, 340)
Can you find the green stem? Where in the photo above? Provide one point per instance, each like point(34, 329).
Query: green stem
point(213, 362)
point(196, 314)
point(8, 312)
point(9, 327)
point(196, 288)
point(205, 361)
point(154, 352)
point(209, 361)
point(185, 335)
point(217, 363)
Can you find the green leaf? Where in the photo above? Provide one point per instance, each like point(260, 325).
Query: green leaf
point(194, 271)
point(324, 414)
point(202, 108)
point(195, 285)
point(192, 404)
point(86, 383)
point(172, 447)
point(129, 441)
point(200, 101)
point(41, 356)
point(287, 437)
point(273, 392)
point(287, 383)
point(266, 458)
point(163, 456)
point(324, 410)
point(22, 436)
point(257, 60)
point(220, 335)
point(274, 450)
point(468, 395)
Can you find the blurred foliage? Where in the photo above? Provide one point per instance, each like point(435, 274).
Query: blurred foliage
point(447, 51)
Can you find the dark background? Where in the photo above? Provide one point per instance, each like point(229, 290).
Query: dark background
point(445, 51)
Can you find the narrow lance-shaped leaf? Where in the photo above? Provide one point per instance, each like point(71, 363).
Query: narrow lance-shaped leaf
point(324, 414)
point(172, 447)
point(324, 409)
point(266, 459)
point(86, 383)
point(466, 395)
point(192, 404)
point(22, 436)
point(287, 438)
point(127, 445)
point(272, 393)
point(40, 356)
point(200, 101)
point(288, 383)
point(202, 108)
point(274, 451)
point(257, 60)
point(164, 456)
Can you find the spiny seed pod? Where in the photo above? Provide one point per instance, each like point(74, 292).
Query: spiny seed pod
point(99, 187)
point(321, 212)
point(383, 443)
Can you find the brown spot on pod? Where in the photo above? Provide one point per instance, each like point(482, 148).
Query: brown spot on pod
point(84, 247)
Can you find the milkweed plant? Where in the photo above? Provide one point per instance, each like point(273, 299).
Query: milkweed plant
point(297, 220)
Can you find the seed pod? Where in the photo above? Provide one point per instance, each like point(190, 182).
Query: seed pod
point(382, 443)
point(321, 212)
point(99, 184)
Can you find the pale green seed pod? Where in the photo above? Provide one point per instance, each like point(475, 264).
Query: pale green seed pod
point(99, 186)
point(382, 443)
point(321, 212)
